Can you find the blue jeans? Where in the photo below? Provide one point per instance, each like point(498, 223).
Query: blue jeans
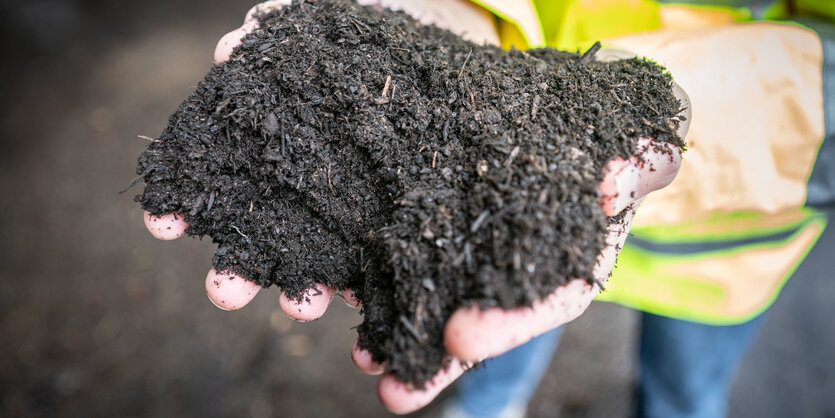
point(507, 381)
point(685, 370)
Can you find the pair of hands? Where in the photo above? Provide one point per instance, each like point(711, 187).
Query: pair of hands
point(471, 334)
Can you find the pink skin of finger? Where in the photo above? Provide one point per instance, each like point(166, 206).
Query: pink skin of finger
point(626, 181)
point(363, 360)
point(312, 305)
point(165, 227)
point(350, 298)
point(228, 291)
point(399, 398)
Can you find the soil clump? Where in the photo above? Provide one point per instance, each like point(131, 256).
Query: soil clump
point(357, 148)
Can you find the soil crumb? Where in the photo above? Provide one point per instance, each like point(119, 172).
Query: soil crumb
point(354, 147)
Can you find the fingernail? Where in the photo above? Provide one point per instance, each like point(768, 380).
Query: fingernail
point(627, 187)
point(216, 305)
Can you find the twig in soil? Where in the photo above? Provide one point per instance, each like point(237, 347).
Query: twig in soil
point(136, 180)
point(358, 22)
point(465, 63)
point(535, 107)
point(283, 138)
point(479, 221)
point(513, 155)
point(239, 232)
point(386, 86)
point(589, 55)
point(148, 138)
point(411, 328)
point(393, 90)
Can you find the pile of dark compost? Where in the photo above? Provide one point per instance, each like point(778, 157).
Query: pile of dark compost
point(354, 147)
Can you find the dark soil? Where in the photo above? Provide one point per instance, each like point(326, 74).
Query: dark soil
point(357, 148)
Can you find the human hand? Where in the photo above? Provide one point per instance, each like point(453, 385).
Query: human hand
point(472, 334)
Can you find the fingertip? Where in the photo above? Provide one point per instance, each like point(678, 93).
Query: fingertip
point(230, 41)
point(228, 291)
point(312, 306)
point(396, 397)
point(227, 43)
point(350, 298)
point(165, 227)
point(401, 398)
point(662, 161)
point(363, 360)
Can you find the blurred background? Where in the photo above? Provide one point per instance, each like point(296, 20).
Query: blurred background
point(97, 318)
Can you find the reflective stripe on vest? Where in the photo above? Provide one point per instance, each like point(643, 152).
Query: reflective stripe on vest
point(716, 282)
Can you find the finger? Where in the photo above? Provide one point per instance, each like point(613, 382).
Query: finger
point(232, 39)
point(312, 305)
point(165, 227)
point(350, 298)
point(472, 333)
point(363, 360)
point(400, 398)
point(228, 291)
point(626, 181)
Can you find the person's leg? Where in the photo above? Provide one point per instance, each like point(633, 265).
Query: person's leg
point(504, 385)
point(686, 368)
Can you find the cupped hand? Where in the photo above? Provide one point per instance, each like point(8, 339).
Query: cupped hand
point(473, 334)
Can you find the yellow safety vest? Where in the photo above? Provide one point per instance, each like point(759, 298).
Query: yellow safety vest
point(708, 249)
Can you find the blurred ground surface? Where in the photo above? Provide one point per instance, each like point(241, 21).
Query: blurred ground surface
point(99, 319)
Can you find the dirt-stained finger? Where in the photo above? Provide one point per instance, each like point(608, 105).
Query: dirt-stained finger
point(401, 398)
point(229, 291)
point(313, 304)
point(350, 298)
point(363, 360)
point(231, 40)
point(472, 333)
point(165, 227)
point(626, 181)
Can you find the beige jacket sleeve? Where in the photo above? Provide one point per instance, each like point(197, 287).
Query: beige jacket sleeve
point(757, 105)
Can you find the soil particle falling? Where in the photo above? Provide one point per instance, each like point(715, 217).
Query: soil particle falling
point(354, 147)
